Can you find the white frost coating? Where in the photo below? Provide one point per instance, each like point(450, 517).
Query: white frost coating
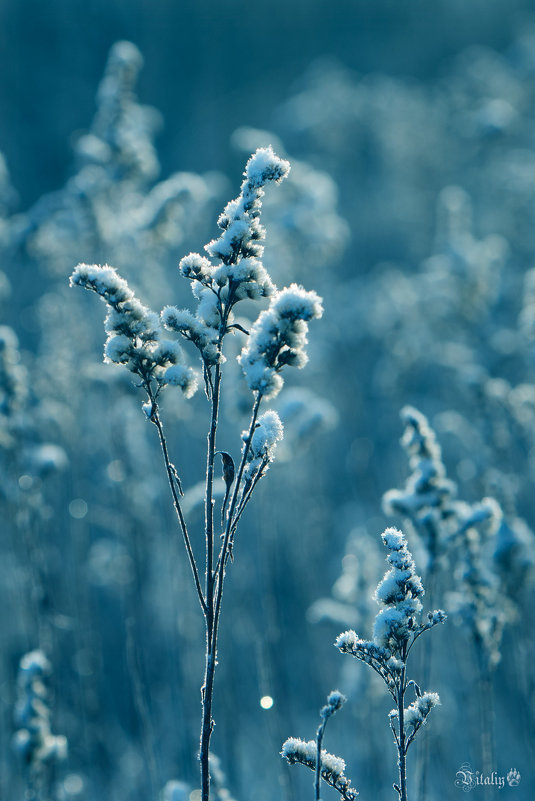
point(416, 714)
point(278, 338)
point(183, 377)
point(240, 275)
point(399, 592)
point(203, 336)
point(298, 303)
point(177, 319)
point(265, 166)
point(348, 639)
point(117, 349)
point(242, 233)
point(104, 280)
point(195, 266)
point(269, 430)
point(267, 433)
point(207, 310)
point(335, 700)
point(389, 623)
point(396, 628)
point(134, 331)
point(296, 750)
point(393, 539)
point(167, 350)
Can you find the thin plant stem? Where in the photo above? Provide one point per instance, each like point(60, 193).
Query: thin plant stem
point(220, 571)
point(402, 746)
point(423, 745)
point(319, 740)
point(213, 617)
point(209, 673)
point(176, 501)
point(209, 500)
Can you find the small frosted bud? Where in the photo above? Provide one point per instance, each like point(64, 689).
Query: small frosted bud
point(335, 701)
point(183, 377)
point(265, 166)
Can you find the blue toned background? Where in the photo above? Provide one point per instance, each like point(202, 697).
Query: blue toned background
point(410, 208)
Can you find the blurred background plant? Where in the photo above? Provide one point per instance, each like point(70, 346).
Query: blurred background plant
point(410, 209)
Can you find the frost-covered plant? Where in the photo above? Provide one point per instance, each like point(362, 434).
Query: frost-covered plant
point(425, 499)
point(308, 231)
point(452, 531)
point(455, 535)
point(397, 627)
point(326, 766)
point(276, 340)
point(114, 206)
point(37, 747)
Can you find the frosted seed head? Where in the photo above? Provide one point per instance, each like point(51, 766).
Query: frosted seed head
point(298, 303)
point(118, 349)
point(265, 166)
point(393, 539)
point(183, 377)
point(195, 266)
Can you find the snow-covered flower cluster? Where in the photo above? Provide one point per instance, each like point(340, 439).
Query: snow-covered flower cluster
point(415, 715)
point(335, 701)
point(307, 232)
point(278, 338)
point(239, 274)
point(195, 329)
point(399, 591)
point(268, 431)
point(242, 232)
point(33, 740)
point(397, 624)
point(326, 766)
point(297, 751)
point(134, 331)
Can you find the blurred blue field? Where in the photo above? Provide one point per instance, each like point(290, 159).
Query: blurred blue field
point(409, 208)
